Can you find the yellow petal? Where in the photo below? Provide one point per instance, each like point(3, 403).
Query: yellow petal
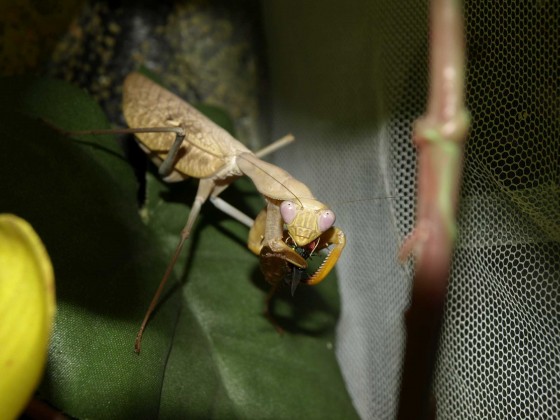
point(27, 305)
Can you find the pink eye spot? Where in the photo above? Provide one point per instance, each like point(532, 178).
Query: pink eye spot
point(288, 211)
point(326, 220)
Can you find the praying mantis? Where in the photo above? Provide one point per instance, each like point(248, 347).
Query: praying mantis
point(183, 143)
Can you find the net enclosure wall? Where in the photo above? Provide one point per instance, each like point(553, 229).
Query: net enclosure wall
point(348, 80)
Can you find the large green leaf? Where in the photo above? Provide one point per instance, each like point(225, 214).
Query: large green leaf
point(80, 198)
point(217, 356)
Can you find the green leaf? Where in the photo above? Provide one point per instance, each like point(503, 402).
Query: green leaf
point(218, 357)
point(106, 261)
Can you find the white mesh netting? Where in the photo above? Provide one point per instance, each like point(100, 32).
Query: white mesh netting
point(349, 79)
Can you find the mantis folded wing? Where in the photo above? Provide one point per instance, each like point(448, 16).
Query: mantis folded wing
point(183, 143)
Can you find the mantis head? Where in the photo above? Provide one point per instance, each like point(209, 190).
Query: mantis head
point(306, 219)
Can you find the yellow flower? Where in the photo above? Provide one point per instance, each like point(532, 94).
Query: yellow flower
point(27, 306)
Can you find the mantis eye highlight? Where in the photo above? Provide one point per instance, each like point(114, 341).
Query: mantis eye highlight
point(288, 211)
point(326, 220)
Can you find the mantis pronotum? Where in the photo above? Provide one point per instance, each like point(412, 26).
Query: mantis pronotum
point(183, 143)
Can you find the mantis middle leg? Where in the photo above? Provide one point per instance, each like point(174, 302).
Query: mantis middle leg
point(205, 188)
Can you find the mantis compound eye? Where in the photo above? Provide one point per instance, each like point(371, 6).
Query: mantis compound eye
point(288, 211)
point(326, 220)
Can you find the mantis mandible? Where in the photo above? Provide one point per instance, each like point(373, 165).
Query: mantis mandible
point(184, 143)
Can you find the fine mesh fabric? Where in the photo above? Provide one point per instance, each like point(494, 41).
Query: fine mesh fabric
point(348, 80)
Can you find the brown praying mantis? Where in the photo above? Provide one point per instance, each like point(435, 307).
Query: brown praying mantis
point(183, 143)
